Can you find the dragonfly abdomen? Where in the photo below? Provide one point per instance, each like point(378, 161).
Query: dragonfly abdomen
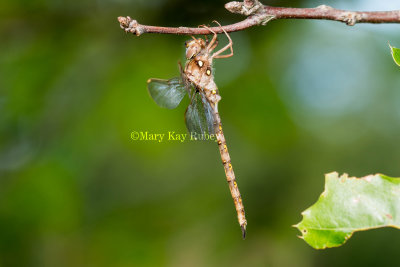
point(230, 175)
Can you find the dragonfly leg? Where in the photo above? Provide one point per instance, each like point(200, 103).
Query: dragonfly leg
point(213, 43)
point(228, 46)
point(205, 36)
point(213, 47)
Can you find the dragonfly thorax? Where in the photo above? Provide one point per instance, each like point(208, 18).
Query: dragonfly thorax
point(199, 72)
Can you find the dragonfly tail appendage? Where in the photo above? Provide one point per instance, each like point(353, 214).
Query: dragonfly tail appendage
point(230, 175)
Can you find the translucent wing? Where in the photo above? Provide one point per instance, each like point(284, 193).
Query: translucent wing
point(167, 93)
point(209, 113)
point(199, 116)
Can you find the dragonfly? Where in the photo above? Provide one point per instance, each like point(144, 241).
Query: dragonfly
point(201, 117)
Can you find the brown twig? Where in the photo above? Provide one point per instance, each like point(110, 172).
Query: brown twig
point(259, 14)
point(132, 26)
point(328, 13)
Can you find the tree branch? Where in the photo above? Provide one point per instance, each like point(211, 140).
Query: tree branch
point(259, 14)
point(328, 13)
point(132, 26)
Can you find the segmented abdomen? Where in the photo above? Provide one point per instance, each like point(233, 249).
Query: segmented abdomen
point(230, 175)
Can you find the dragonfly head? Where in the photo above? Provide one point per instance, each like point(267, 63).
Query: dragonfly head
point(193, 47)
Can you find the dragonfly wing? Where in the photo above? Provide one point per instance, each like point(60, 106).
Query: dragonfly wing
point(167, 93)
point(199, 117)
point(209, 114)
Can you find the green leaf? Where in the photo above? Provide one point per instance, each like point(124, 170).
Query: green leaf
point(348, 205)
point(395, 54)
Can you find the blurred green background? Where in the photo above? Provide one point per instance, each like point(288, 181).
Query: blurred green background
point(299, 99)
